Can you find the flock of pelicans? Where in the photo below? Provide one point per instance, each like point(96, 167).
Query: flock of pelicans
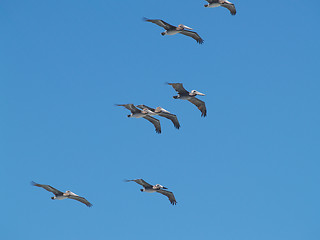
point(143, 111)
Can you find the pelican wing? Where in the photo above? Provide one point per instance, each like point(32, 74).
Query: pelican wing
point(230, 6)
point(130, 107)
point(48, 188)
point(179, 88)
point(80, 199)
point(172, 117)
point(144, 106)
point(141, 182)
point(155, 122)
point(192, 34)
point(170, 195)
point(200, 104)
point(160, 23)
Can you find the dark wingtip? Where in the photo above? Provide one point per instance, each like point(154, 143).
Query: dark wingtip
point(145, 19)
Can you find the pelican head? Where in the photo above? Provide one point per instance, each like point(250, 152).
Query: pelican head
point(146, 111)
point(195, 92)
point(160, 186)
point(160, 109)
point(184, 27)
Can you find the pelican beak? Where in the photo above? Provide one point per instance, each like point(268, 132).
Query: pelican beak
point(199, 93)
point(187, 27)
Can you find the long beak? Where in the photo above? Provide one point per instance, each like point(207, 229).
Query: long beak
point(187, 27)
point(199, 93)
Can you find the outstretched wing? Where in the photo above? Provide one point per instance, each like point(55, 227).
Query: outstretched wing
point(48, 188)
point(160, 23)
point(80, 199)
point(141, 182)
point(172, 117)
point(170, 195)
point(130, 107)
point(200, 104)
point(155, 122)
point(230, 6)
point(144, 106)
point(179, 88)
point(192, 34)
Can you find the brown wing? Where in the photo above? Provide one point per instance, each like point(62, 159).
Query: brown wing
point(155, 122)
point(231, 7)
point(172, 117)
point(194, 35)
point(200, 104)
point(170, 195)
point(160, 23)
point(141, 106)
point(48, 188)
point(179, 88)
point(141, 182)
point(130, 107)
point(80, 199)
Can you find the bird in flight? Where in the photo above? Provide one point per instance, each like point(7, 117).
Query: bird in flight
point(154, 188)
point(172, 30)
point(58, 195)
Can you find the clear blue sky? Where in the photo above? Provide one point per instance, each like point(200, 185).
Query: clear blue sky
point(248, 171)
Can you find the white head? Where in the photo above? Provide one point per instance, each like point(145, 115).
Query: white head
point(160, 186)
point(195, 92)
point(71, 193)
point(160, 109)
point(146, 111)
point(184, 27)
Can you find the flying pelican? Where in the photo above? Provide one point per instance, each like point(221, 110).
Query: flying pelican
point(60, 195)
point(162, 113)
point(190, 96)
point(137, 113)
point(222, 3)
point(156, 188)
point(172, 30)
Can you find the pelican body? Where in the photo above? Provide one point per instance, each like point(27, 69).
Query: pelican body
point(58, 195)
point(137, 113)
point(172, 30)
point(155, 188)
point(223, 3)
point(183, 94)
point(159, 111)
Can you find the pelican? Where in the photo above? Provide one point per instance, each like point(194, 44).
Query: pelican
point(156, 188)
point(60, 195)
point(222, 3)
point(162, 113)
point(190, 96)
point(137, 113)
point(172, 30)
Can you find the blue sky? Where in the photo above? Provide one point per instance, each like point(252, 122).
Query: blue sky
point(250, 170)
